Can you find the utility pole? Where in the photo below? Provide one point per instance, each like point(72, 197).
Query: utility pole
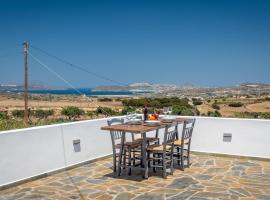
point(25, 51)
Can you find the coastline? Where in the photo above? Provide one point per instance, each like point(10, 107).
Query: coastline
point(83, 91)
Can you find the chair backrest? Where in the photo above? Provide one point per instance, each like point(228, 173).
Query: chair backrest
point(115, 135)
point(170, 135)
point(187, 130)
point(132, 116)
point(115, 121)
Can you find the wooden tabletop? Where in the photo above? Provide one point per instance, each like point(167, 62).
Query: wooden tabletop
point(138, 128)
point(132, 128)
point(181, 120)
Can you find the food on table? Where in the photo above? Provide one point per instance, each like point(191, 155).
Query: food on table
point(153, 117)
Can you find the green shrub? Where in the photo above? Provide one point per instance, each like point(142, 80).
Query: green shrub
point(20, 113)
point(105, 99)
point(118, 99)
point(11, 124)
point(105, 111)
point(182, 110)
point(3, 115)
point(235, 104)
point(156, 102)
point(196, 102)
point(43, 114)
point(265, 115)
point(72, 112)
point(213, 114)
point(187, 112)
point(215, 106)
point(51, 121)
point(127, 109)
point(91, 114)
point(256, 115)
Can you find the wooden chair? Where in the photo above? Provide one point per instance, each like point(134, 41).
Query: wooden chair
point(129, 147)
point(182, 146)
point(162, 154)
point(150, 140)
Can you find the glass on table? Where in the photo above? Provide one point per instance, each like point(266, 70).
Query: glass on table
point(167, 110)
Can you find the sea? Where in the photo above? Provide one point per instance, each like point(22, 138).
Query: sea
point(81, 91)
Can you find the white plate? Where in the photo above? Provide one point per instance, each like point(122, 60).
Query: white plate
point(152, 122)
point(168, 117)
point(134, 121)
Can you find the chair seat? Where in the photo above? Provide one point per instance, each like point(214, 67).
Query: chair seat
point(148, 139)
point(157, 147)
point(179, 142)
point(128, 144)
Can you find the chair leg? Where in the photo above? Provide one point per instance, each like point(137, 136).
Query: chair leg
point(182, 160)
point(134, 155)
point(124, 157)
point(178, 156)
point(188, 163)
point(159, 160)
point(114, 162)
point(164, 165)
point(129, 161)
point(148, 159)
point(171, 161)
point(142, 156)
point(154, 162)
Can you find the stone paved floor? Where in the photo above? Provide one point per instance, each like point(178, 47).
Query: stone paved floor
point(209, 177)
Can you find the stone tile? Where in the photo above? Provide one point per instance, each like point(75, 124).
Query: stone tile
point(214, 195)
point(215, 189)
point(209, 177)
point(105, 197)
point(262, 197)
point(182, 195)
point(198, 198)
point(203, 177)
point(209, 162)
point(183, 182)
point(240, 192)
point(150, 196)
point(124, 196)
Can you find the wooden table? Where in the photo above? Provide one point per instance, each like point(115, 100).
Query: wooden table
point(136, 129)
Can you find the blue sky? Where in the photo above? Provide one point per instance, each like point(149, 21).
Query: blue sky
point(207, 43)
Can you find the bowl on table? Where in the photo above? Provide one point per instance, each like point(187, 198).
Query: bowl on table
point(168, 119)
point(152, 123)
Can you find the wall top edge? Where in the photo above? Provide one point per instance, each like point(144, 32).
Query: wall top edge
point(106, 118)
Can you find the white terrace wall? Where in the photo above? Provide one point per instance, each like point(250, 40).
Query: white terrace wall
point(250, 137)
point(33, 151)
point(29, 152)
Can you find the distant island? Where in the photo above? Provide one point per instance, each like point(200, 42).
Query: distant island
point(150, 90)
point(167, 90)
point(33, 86)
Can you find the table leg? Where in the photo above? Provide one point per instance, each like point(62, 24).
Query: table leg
point(144, 152)
point(121, 152)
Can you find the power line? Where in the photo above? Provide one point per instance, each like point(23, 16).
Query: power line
point(78, 67)
point(64, 80)
point(55, 73)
